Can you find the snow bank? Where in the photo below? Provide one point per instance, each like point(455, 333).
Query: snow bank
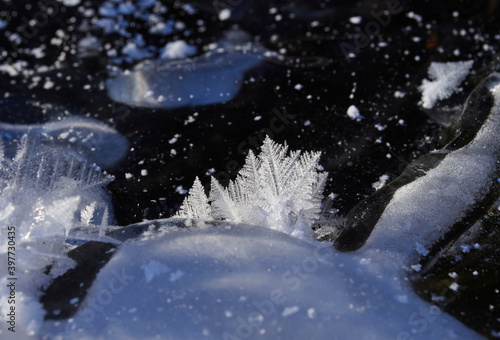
point(242, 281)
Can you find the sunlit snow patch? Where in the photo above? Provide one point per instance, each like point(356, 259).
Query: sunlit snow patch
point(445, 194)
point(243, 281)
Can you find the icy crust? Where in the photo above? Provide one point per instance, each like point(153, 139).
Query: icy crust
point(213, 77)
point(49, 192)
point(422, 211)
point(243, 281)
point(207, 79)
point(84, 138)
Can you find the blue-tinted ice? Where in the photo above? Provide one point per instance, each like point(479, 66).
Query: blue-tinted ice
point(213, 77)
point(85, 138)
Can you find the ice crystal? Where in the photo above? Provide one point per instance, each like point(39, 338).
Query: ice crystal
point(276, 190)
point(445, 79)
point(44, 191)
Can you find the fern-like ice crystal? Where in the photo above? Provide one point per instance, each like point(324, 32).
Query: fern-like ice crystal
point(275, 189)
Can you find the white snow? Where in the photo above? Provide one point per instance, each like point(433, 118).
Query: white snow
point(381, 182)
point(454, 286)
point(154, 269)
point(224, 14)
point(435, 201)
point(353, 113)
point(15, 68)
point(355, 20)
point(445, 79)
point(413, 15)
point(69, 3)
point(399, 94)
point(244, 279)
point(177, 50)
point(48, 84)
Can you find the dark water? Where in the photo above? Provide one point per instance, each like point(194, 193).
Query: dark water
point(314, 39)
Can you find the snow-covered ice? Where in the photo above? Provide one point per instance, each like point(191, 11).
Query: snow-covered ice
point(243, 281)
point(213, 77)
point(83, 137)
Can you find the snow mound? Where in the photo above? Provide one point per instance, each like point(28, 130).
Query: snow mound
point(241, 281)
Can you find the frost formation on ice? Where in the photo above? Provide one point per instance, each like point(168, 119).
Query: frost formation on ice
point(49, 193)
point(440, 198)
point(223, 280)
point(445, 79)
point(282, 192)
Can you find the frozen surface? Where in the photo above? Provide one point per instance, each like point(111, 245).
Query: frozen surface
point(242, 281)
point(85, 138)
point(213, 77)
point(426, 208)
point(236, 281)
point(49, 192)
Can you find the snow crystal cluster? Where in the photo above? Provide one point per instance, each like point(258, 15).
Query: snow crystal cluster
point(116, 17)
point(282, 192)
point(445, 79)
point(49, 194)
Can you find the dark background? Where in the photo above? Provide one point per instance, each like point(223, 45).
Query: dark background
point(310, 35)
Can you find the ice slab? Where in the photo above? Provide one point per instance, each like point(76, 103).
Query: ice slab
point(215, 77)
point(85, 138)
